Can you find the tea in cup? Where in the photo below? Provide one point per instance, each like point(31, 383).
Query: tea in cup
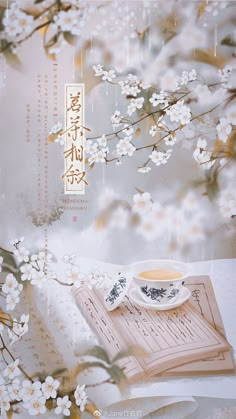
point(160, 281)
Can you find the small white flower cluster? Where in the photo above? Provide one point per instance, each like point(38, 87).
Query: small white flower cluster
point(184, 223)
point(134, 105)
point(202, 156)
point(58, 129)
point(97, 150)
point(106, 75)
point(116, 119)
point(16, 22)
point(21, 254)
point(179, 113)
point(131, 86)
point(20, 328)
point(187, 77)
point(227, 202)
point(12, 289)
point(73, 274)
point(68, 21)
point(159, 99)
point(125, 148)
point(37, 268)
point(76, 278)
point(215, 7)
point(160, 157)
point(224, 128)
point(35, 394)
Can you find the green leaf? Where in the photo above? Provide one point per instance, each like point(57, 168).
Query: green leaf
point(98, 352)
point(131, 351)
point(12, 59)
point(59, 372)
point(82, 367)
point(71, 39)
point(8, 258)
point(118, 376)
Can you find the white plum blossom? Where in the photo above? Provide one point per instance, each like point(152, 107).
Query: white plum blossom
point(67, 21)
point(144, 169)
point(63, 406)
point(20, 328)
point(12, 299)
point(13, 389)
point(30, 391)
point(142, 203)
point(98, 69)
point(98, 157)
point(97, 279)
point(224, 75)
point(39, 278)
point(16, 242)
point(21, 254)
point(134, 105)
point(160, 157)
point(202, 156)
point(80, 397)
point(58, 127)
point(116, 119)
point(4, 404)
point(159, 99)
point(108, 75)
point(130, 87)
point(71, 259)
point(27, 272)
point(74, 276)
point(128, 130)
point(186, 77)
point(3, 389)
point(224, 129)
point(16, 22)
point(36, 406)
point(179, 113)
point(125, 148)
point(153, 130)
point(49, 387)
point(12, 370)
point(102, 141)
point(91, 147)
point(170, 139)
point(10, 284)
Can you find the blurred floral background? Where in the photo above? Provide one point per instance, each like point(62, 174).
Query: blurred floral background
point(160, 80)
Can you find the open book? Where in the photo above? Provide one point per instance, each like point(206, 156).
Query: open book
point(185, 340)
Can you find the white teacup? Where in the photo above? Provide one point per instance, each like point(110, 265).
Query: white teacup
point(160, 291)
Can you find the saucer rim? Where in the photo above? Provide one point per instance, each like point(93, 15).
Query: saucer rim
point(160, 307)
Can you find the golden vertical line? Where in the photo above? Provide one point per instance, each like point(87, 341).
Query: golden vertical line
point(92, 100)
point(215, 40)
point(73, 62)
point(81, 64)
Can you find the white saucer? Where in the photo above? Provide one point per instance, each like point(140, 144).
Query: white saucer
point(183, 297)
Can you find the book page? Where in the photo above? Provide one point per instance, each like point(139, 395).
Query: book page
point(170, 338)
point(204, 300)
